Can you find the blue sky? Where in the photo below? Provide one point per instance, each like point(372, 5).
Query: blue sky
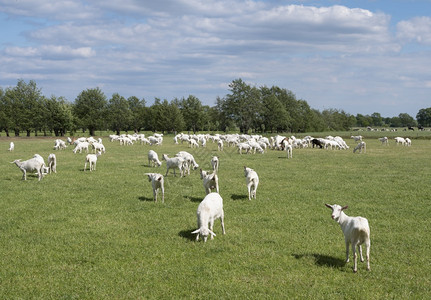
point(357, 56)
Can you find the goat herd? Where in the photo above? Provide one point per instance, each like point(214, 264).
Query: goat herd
point(356, 229)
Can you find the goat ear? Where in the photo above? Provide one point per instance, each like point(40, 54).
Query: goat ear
point(160, 178)
point(196, 231)
point(329, 206)
point(345, 207)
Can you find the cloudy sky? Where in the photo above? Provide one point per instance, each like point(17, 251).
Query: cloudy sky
point(359, 56)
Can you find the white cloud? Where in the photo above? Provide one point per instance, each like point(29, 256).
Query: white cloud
point(415, 30)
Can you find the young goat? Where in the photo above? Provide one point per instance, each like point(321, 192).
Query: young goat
point(210, 181)
point(356, 232)
point(92, 159)
point(174, 163)
point(252, 181)
point(209, 210)
point(11, 146)
point(361, 146)
point(215, 163)
point(158, 183)
point(52, 163)
point(289, 150)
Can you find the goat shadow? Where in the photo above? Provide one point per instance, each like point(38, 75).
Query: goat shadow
point(193, 199)
point(142, 198)
point(239, 197)
point(187, 234)
point(323, 260)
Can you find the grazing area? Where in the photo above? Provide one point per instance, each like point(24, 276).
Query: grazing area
point(101, 235)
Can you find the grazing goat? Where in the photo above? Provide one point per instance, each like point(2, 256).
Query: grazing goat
point(52, 163)
point(11, 146)
point(360, 146)
point(153, 159)
point(215, 163)
point(30, 165)
point(189, 161)
point(400, 140)
point(157, 182)
point(210, 181)
point(209, 210)
point(316, 143)
point(252, 181)
point(356, 138)
point(81, 146)
point(174, 163)
point(92, 160)
point(356, 232)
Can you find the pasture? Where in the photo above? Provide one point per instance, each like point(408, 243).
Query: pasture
point(99, 235)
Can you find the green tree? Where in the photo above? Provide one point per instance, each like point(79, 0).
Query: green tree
point(424, 117)
point(243, 104)
point(139, 113)
point(59, 116)
point(89, 108)
point(118, 113)
point(406, 120)
point(193, 113)
point(274, 115)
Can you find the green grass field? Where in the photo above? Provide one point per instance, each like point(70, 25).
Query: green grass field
point(99, 235)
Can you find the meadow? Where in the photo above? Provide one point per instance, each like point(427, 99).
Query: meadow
point(100, 235)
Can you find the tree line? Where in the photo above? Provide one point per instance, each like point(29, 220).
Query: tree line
point(246, 108)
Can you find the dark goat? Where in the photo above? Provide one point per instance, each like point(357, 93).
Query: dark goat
point(316, 142)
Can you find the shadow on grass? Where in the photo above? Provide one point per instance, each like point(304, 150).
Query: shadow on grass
point(142, 198)
point(323, 260)
point(187, 234)
point(239, 197)
point(193, 199)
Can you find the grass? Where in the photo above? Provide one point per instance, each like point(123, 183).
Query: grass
point(99, 235)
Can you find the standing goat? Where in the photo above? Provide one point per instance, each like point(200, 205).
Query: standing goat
point(11, 146)
point(30, 165)
point(210, 181)
point(209, 210)
point(356, 232)
point(252, 181)
point(360, 146)
point(174, 163)
point(215, 163)
point(52, 163)
point(153, 159)
point(158, 183)
point(92, 159)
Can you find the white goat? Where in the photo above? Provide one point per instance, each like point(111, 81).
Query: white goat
point(30, 165)
point(215, 163)
point(400, 140)
point(189, 161)
point(11, 146)
point(384, 140)
point(45, 169)
point(52, 163)
point(174, 163)
point(356, 138)
point(59, 144)
point(209, 210)
point(210, 181)
point(289, 150)
point(81, 146)
point(157, 182)
point(252, 181)
point(220, 145)
point(92, 160)
point(153, 159)
point(98, 147)
point(356, 232)
point(361, 146)
point(408, 142)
